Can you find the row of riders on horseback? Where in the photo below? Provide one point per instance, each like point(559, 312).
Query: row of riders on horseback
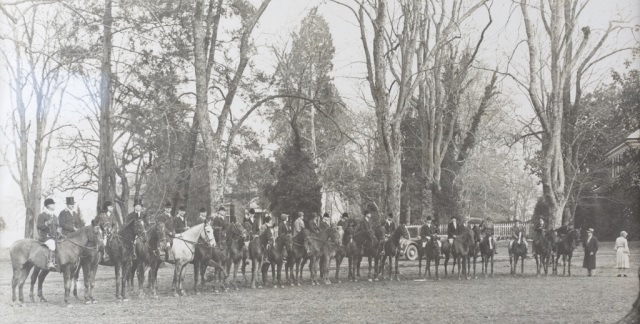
point(212, 241)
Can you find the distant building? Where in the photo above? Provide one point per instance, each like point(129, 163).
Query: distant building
point(614, 155)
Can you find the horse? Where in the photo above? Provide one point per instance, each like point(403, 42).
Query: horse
point(474, 249)
point(446, 250)
point(341, 252)
point(183, 252)
point(542, 248)
point(151, 241)
point(322, 248)
point(236, 236)
point(215, 256)
point(257, 252)
point(462, 248)
point(375, 252)
point(120, 250)
point(565, 244)
point(392, 249)
point(276, 254)
point(359, 242)
point(518, 251)
point(28, 253)
point(295, 256)
point(431, 250)
point(486, 253)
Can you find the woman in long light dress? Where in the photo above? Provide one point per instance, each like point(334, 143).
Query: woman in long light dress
point(622, 254)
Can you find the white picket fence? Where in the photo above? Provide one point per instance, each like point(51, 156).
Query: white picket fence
point(501, 231)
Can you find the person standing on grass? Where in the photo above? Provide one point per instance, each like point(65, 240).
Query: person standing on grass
point(590, 249)
point(622, 254)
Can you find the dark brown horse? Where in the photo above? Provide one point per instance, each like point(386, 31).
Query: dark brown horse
point(487, 251)
point(430, 249)
point(28, 253)
point(542, 248)
point(257, 252)
point(120, 250)
point(295, 256)
point(358, 243)
point(564, 246)
point(236, 236)
point(392, 249)
point(375, 252)
point(215, 256)
point(341, 252)
point(151, 243)
point(322, 248)
point(446, 250)
point(518, 251)
point(462, 249)
point(276, 254)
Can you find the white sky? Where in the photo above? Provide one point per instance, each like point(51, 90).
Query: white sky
point(282, 17)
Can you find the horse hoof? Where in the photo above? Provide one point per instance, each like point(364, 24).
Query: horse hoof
point(88, 302)
point(94, 301)
point(156, 296)
point(125, 300)
point(299, 284)
point(198, 293)
point(43, 300)
point(175, 294)
point(118, 300)
point(69, 305)
point(275, 286)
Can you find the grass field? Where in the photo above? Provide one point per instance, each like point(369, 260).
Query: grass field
point(604, 298)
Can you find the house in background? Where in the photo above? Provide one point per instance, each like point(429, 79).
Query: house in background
point(614, 155)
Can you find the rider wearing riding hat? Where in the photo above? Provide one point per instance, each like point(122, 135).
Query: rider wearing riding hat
point(515, 229)
point(326, 222)
point(137, 215)
point(427, 231)
point(218, 222)
point(48, 230)
point(347, 227)
point(180, 221)
point(454, 229)
point(298, 224)
point(69, 219)
point(283, 225)
point(389, 226)
point(314, 227)
point(487, 229)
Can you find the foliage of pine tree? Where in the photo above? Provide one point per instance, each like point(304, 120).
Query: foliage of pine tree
point(297, 187)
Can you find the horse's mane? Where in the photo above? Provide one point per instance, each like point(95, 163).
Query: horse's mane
point(196, 228)
point(80, 231)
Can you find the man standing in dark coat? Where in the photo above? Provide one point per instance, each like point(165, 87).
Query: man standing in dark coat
point(48, 229)
point(590, 249)
point(69, 219)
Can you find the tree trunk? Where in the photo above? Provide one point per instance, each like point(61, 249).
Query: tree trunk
point(106, 185)
point(181, 195)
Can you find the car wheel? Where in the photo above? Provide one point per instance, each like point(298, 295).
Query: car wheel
point(412, 252)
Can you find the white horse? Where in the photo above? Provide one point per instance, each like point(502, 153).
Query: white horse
point(183, 251)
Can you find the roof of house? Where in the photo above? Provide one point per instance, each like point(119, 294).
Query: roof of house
point(632, 138)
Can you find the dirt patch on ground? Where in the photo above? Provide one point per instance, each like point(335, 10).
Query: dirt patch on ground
point(501, 299)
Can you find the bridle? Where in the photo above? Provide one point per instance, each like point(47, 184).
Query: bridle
point(96, 243)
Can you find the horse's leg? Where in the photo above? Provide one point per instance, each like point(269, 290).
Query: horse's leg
point(569, 256)
point(34, 280)
point(183, 273)
point(492, 255)
point(66, 275)
point(521, 265)
point(396, 257)
point(126, 269)
point(141, 269)
point(196, 275)
point(153, 275)
point(75, 274)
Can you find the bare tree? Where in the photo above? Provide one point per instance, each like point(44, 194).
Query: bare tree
point(38, 82)
point(554, 86)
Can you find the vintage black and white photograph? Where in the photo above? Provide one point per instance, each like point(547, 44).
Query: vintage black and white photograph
point(319, 161)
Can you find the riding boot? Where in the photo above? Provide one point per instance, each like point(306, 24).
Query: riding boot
point(51, 257)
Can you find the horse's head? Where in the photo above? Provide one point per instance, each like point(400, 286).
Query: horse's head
point(434, 243)
point(477, 233)
point(163, 236)
point(207, 235)
point(402, 231)
point(371, 236)
point(333, 236)
point(140, 230)
point(574, 235)
point(104, 225)
point(99, 237)
point(380, 233)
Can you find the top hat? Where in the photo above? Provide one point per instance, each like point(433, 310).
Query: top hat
point(70, 201)
point(137, 202)
point(203, 210)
